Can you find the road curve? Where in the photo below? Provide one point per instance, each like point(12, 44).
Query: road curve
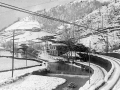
point(112, 79)
point(97, 76)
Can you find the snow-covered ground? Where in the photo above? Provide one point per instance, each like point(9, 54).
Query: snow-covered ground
point(117, 51)
point(97, 76)
point(6, 77)
point(5, 53)
point(6, 63)
point(24, 24)
point(31, 35)
point(37, 83)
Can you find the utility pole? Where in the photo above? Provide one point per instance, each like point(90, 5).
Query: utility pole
point(26, 54)
point(102, 22)
point(89, 59)
point(13, 55)
point(89, 53)
point(26, 57)
point(72, 53)
point(107, 46)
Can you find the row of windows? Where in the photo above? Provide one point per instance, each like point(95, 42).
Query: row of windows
point(53, 52)
point(52, 47)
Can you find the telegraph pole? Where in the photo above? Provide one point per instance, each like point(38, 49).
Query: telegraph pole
point(13, 55)
point(89, 53)
point(26, 53)
point(107, 46)
point(89, 59)
point(26, 57)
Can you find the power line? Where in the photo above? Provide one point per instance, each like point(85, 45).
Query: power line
point(37, 14)
point(103, 31)
point(31, 6)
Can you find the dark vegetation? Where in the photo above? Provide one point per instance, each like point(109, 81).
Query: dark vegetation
point(115, 55)
point(96, 60)
point(28, 52)
point(41, 72)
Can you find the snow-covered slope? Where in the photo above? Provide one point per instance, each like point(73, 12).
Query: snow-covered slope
point(104, 17)
point(25, 23)
point(28, 35)
point(24, 30)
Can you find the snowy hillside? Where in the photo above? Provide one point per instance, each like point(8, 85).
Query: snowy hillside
point(92, 14)
point(104, 17)
point(24, 30)
point(25, 23)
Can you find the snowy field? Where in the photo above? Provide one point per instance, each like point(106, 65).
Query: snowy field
point(5, 53)
point(6, 77)
point(6, 63)
point(35, 82)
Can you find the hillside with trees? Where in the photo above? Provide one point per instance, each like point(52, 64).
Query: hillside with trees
point(94, 15)
point(70, 12)
point(101, 21)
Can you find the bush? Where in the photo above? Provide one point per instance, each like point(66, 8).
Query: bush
point(72, 85)
point(41, 72)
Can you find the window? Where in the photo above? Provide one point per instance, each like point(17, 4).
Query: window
point(54, 47)
point(50, 46)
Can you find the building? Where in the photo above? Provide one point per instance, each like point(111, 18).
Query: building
point(56, 49)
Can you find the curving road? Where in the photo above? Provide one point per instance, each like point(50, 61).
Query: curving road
point(96, 78)
point(101, 79)
point(110, 80)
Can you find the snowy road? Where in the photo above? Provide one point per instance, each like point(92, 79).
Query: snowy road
point(103, 80)
point(111, 81)
point(98, 75)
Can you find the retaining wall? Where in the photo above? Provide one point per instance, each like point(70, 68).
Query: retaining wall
point(97, 60)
